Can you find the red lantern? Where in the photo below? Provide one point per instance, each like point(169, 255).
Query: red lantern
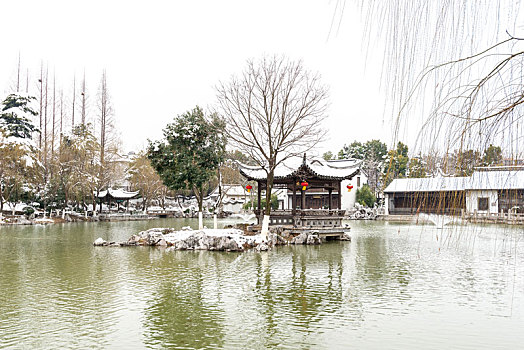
point(249, 188)
point(349, 187)
point(304, 185)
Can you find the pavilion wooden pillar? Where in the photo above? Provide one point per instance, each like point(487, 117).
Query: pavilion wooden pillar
point(259, 202)
point(294, 198)
point(339, 201)
point(302, 199)
point(330, 202)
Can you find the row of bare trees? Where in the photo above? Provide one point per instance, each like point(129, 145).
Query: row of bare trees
point(67, 122)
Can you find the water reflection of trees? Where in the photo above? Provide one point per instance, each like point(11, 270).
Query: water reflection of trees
point(62, 290)
point(185, 310)
point(295, 289)
point(382, 268)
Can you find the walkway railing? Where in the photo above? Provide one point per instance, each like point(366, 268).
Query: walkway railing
point(306, 212)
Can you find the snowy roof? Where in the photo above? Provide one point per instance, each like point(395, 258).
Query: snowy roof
point(118, 194)
point(480, 180)
point(497, 180)
point(430, 184)
point(294, 167)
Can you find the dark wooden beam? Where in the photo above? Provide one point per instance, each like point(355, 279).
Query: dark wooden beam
point(339, 196)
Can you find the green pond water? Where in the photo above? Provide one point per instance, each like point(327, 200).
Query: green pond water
point(395, 286)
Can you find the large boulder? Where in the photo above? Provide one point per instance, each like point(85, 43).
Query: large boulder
point(262, 247)
point(153, 237)
point(133, 240)
point(221, 243)
point(300, 239)
point(313, 240)
point(274, 239)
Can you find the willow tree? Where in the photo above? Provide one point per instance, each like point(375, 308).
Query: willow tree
point(273, 110)
point(453, 67)
point(190, 153)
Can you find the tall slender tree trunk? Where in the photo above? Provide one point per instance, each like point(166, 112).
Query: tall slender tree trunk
point(54, 117)
point(84, 99)
point(18, 74)
point(61, 119)
point(74, 98)
point(45, 115)
point(40, 114)
point(199, 194)
point(267, 211)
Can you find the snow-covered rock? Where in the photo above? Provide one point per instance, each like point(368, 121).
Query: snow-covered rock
point(313, 240)
point(262, 247)
point(205, 239)
point(300, 239)
point(345, 237)
point(305, 238)
point(99, 242)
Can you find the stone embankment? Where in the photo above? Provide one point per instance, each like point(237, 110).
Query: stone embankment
point(231, 240)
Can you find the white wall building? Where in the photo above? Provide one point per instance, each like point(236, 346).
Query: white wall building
point(233, 197)
point(489, 190)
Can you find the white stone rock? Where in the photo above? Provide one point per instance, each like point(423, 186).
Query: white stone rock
point(313, 240)
point(99, 241)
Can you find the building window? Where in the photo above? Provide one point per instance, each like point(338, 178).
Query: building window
point(358, 181)
point(483, 203)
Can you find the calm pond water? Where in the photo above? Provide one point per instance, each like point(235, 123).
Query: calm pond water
point(394, 286)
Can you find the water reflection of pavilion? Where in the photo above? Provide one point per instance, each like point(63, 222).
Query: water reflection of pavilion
point(314, 189)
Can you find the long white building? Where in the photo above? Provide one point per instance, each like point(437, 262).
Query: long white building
point(489, 190)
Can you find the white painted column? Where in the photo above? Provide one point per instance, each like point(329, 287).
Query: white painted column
point(200, 222)
point(265, 227)
point(215, 222)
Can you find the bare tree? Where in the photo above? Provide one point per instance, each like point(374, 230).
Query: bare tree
point(73, 104)
point(61, 117)
point(54, 116)
point(40, 114)
point(273, 111)
point(84, 100)
point(108, 139)
point(45, 114)
point(18, 74)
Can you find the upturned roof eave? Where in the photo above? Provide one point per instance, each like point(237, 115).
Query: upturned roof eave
point(297, 174)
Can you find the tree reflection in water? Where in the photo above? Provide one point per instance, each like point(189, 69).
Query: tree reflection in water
point(185, 309)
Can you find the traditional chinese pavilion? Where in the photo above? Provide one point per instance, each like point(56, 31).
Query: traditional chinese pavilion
point(116, 196)
point(320, 212)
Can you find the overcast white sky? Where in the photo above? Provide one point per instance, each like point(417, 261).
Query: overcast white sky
point(164, 57)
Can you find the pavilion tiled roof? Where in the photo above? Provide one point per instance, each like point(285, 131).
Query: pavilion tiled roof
point(297, 166)
point(118, 194)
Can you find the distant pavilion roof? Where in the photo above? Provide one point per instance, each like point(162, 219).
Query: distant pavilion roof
point(118, 194)
point(298, 167)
